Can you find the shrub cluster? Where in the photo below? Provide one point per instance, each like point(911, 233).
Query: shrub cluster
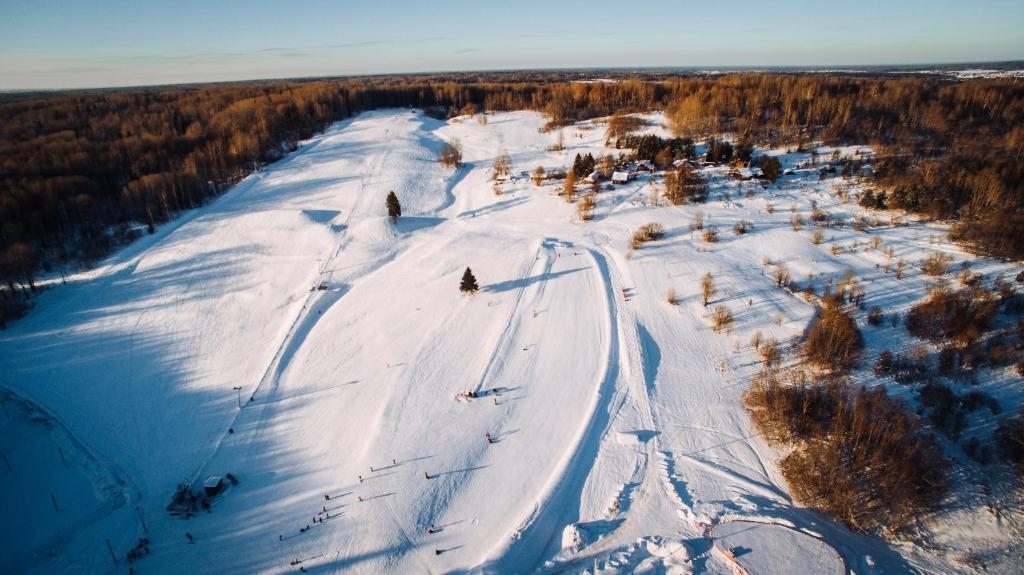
point(646, 233)
point(936, 264)
point(957, 316)
point(450, 155)
point(1010, 439)
point(833, 340)
point(859, 454)
point(904, 369)
point(947, 410)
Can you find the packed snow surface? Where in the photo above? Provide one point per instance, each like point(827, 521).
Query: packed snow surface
point(607, 433)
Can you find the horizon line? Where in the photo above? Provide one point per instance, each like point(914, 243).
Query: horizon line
point(696, 69)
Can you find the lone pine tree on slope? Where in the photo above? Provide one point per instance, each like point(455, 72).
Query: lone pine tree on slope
point(468, 284)
point(394, 208)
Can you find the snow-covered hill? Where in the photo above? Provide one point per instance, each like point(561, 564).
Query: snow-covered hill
point(618, 439)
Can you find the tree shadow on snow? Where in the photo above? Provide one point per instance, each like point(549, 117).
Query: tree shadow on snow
point(409, 224)
point(528, 281)
point(495, 207)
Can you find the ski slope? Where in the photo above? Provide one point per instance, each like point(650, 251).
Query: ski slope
point(618, 438)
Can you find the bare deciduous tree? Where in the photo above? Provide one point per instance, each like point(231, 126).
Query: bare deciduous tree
point(502, 165)
point(451, 154)
point(538, 175)
point(569, 186)
point(707, 288)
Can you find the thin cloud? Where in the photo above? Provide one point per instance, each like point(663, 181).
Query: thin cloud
point(279, 51)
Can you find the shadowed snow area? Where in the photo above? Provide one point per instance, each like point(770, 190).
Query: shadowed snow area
point(607, 432)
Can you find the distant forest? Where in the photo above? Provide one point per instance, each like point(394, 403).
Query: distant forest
point(81, 171)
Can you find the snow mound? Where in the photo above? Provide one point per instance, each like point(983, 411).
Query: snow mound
point(768, 548)
point(375, 232)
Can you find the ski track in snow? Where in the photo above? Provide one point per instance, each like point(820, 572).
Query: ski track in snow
point(611, 415)
point(555, 505)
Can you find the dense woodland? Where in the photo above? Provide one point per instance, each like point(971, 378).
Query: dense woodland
point(83, 172)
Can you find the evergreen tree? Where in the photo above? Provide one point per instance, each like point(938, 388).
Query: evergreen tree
point(578, 166)
point(771, 168)
point(663, 159)
point(744, 150)
point(394, 207)
point(719, 152)
point(468, 284)
point(867, 199)
point(589, 163)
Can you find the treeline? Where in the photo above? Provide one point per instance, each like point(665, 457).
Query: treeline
point(77, 170)
point(73, 167)
point(947, 149)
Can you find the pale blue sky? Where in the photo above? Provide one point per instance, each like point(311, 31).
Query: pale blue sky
point(73, 43)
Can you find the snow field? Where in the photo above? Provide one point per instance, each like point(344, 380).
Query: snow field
point(619, 442)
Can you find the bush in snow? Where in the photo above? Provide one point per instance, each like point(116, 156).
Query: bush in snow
point(1010, 440)
point(948, 411)
point(502, 165)
point(538, 175)
point(585, 207)
point(698, 221)
point(646, 233)
point(781, 275)
point(960, 316)
point(451, 154)
point(771, 168)
point(721, 318)
point(670, 296)
point(936, 264)
point(875, 316)
point(833, 341)
point(770, 354)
